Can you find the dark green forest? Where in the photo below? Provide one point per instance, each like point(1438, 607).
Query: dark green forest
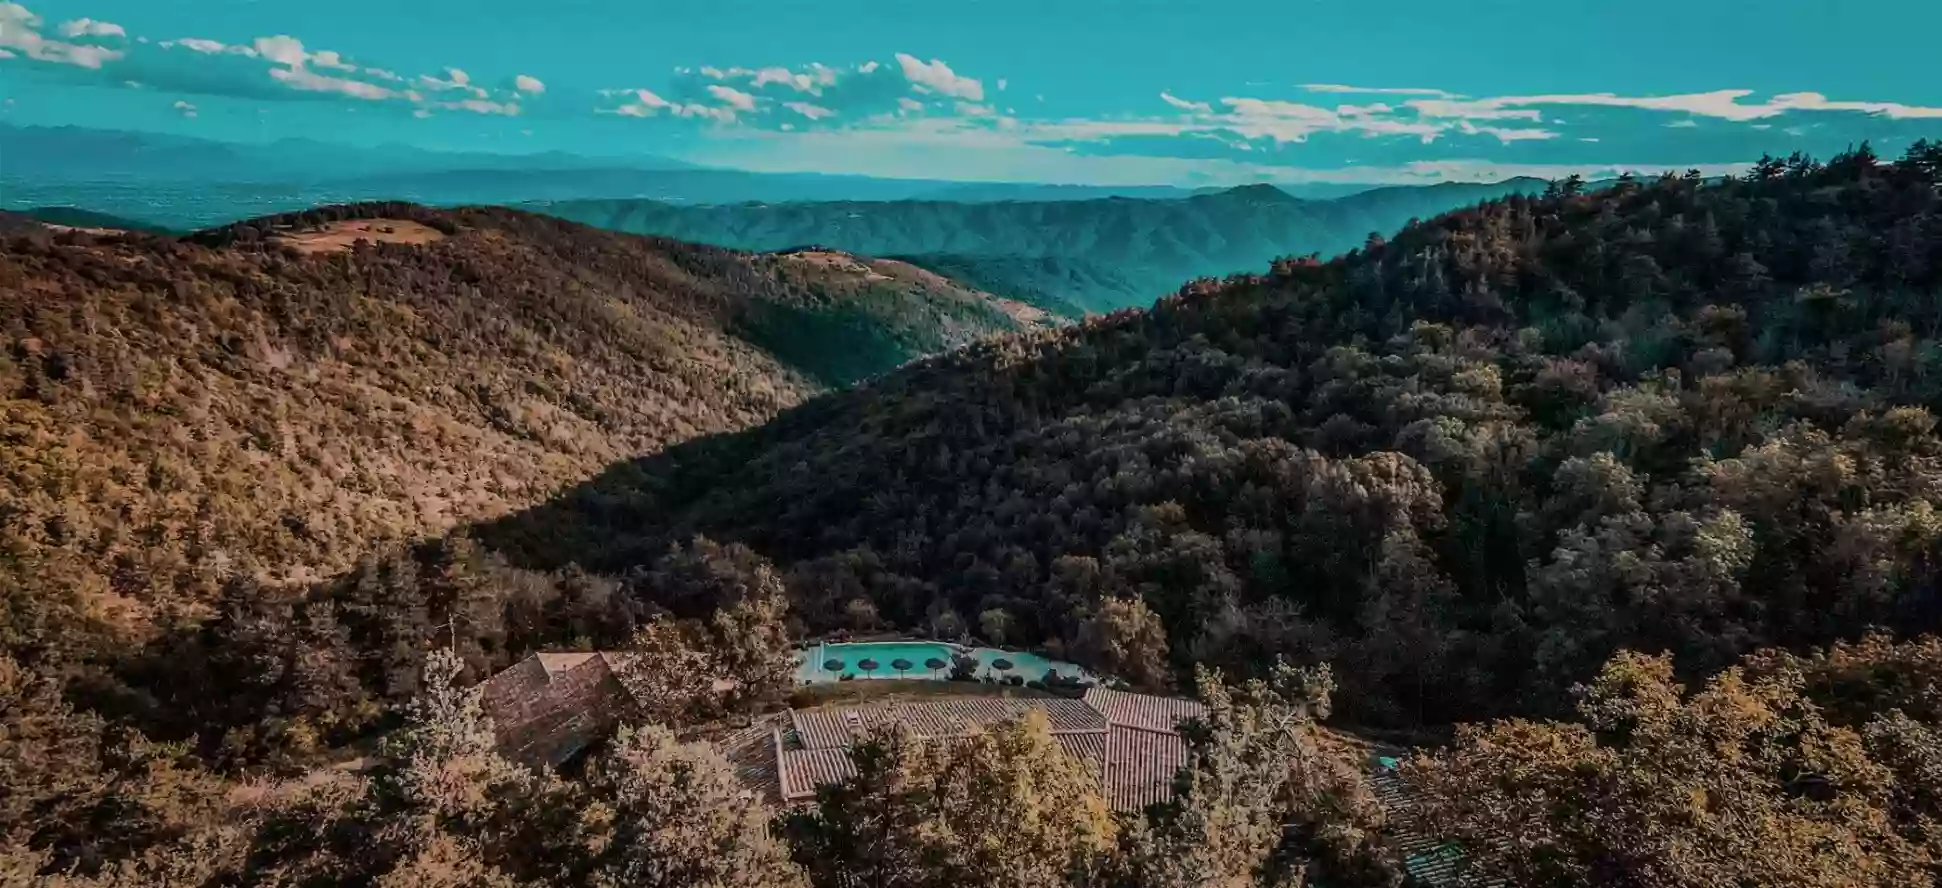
point(1464, 465)
point(1619, 503)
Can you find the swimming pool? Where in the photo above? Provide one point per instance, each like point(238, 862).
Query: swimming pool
point(917, 657)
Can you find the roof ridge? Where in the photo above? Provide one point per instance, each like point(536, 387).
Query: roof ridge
point(1115, 723)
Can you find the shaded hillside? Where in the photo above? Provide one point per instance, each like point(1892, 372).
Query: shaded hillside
point(1464, 466)
point(842, 318)
point(1064, 286)
point(75, 217)
point(280, 398)
point(1153, 244)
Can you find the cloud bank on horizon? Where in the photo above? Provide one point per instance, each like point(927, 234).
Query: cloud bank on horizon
point(915, 115)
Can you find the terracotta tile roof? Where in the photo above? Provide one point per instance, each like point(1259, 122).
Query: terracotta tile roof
point(548, 707)
point(1140, 765)
point(805, 769)
point(752, 750)
point(839, 727)
point(1142, 710)
point(1088, 747)
point(821, 728)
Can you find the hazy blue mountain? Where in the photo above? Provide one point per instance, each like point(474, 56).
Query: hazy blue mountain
point(1149, 246)
point(79, 154)
point(991, 192)
point(184, 183)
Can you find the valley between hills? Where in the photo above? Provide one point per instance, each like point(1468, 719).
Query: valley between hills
point(1616, 503)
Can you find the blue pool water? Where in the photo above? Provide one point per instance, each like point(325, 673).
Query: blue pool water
point(811, 660)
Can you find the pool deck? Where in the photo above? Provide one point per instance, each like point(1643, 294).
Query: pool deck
point(1027, 665)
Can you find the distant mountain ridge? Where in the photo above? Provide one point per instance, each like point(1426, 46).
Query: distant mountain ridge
point(1151, 246)
point(182, 183)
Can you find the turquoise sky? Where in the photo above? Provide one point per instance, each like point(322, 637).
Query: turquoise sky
point(1105, 91)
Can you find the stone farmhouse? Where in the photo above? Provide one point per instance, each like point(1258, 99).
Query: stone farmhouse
point(549, 707)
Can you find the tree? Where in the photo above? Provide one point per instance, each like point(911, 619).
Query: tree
point(1264, 797)
point(670, 673)
point(1006, 807)
point(79, 794)
point(1743, 782)
point(1124, 639)
point(996, 623)
point(659, 812)
point(964, 666)
point(732, 610)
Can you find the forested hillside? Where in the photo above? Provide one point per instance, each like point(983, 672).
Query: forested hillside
point(1464, 466)
point(1151, 244)
point(180, 413)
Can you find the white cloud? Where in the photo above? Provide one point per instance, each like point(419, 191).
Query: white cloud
point(20, 35)
point(1295, 122)
point(7, 54)
point(698, 110)
point(1376, 91)
point(1184, 105)
point(1724, 104)
point(283, 50)
point(938, 77)
point(482, 106)
point(869, 67)
point(527, 83)
point(1478, 110)
point(186, 109)
point(735, 98)
point(302, 78)
point(1683, 124)
point(647, 104)
point(650, 100)
point(1002, 84)
point(207, 47)
point(86, 27)
point(909, 104)
point(813, 112)
point(298, 69)
point(331, 61)
point(421, 114)
point(1506, 136)
point(455, 79)
point(920, 147)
